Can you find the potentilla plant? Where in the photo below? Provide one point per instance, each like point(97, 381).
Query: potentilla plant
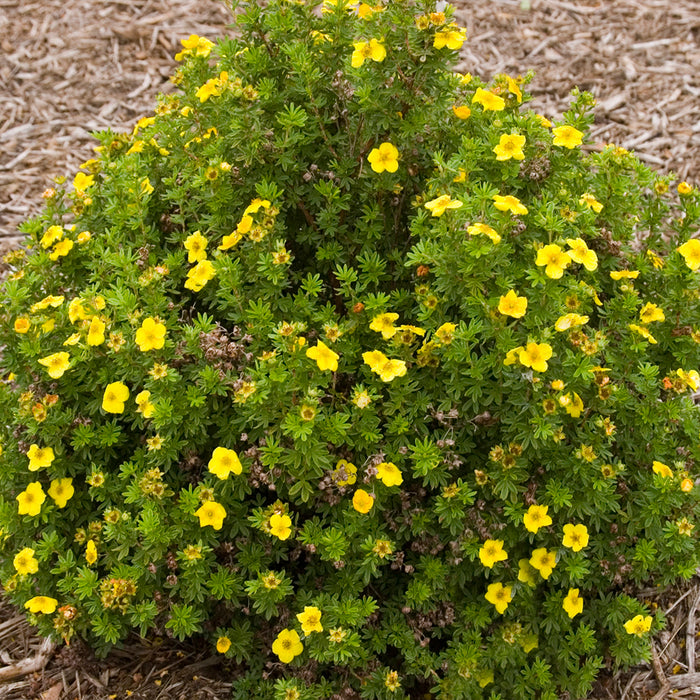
point(358, 369)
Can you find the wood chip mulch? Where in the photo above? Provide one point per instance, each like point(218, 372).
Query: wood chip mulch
point(68, 67)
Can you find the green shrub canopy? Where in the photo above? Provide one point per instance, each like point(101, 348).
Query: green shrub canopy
point(355, 366)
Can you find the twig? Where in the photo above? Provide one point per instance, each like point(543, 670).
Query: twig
point(660, 675)
point(30, 664)
point(690, 632)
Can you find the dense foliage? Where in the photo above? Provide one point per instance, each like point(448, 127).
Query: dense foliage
point(354, 365)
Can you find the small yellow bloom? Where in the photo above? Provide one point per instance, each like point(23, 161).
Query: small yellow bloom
point(591, 202)
point(325, 358)
point(567, 136)
point(445, 333)
point(544, 561)
point(639, 625)
point(536, 517)
point(115, 396)
point(386, 368)
point(41, 604)
point(51, 235)
point(461, 111)
point(22, 325)
point(61, 249)
point(287, 645)
point(151, 335)
point(644, 332)
point(439, 205)
point(526, 573)
point(96, 332)
point(386, 157)
point(489, 101)
point(362, 501)
point(384, 324)
point(364, 50)
point(194, 46)
point(492, 552)
point(567, 321)
point(25, 563)
point(223, 462)
point(81, 182)
point(624, 275)
point(510, 304)
point(662, 469)
point(56, 364)
point(91, 552)
point(145, 407)
point(310, 620)
point(575, 536)
point(535, 355)
point(280, 526)
point(486, 230)
point(199, 275)
point(31, 499)
point(510, 146)
point(684, 188)
point(452, 37)
point(572, 603)
point(39, 457)
point(196, 245)
point(389, 474)
point(211, 513)
point(582, 254)
point(651, 312)
point(223, 644)
point(499, 596)
point(509, 203)
point(553, 259)
point(61, 491)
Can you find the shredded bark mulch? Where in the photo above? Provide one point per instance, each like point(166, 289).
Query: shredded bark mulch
point(69, 67)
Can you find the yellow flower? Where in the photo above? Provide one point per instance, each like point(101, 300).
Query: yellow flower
point(22, 325)
point(386, 157)
point(255, 205)
point(325, 358)
point(39, 457)
point(567, 321)
point(213, 87)
point(451, 37)
point(510, 146)
point(196, 245)
point(362, 502)
point(567, 136)
point(644, 332)
point(651, 312)
point(445, 334)
point(389, 474)
point(194, 46)
point(145, 407)
point(151, 335)
point(514, 88)
point(624, 275)
point(687, 485)
point(31, 499)
point(481, 228)
point(461, 111)
point(591, 202)
point(53, 301)
point(536, 517)
point(392, 682)
point(572, 404)
point(512, 356)
point(56, 364)
point(573, 603)
point(684, 188)
point(544, 561)
point(384, 324)
point(81, 182)
point(489, 101)
point(582, 254)
point(439, 205)
point(96, 332)
point(509, 203)
point(51, 235)
point(526, 573)
point(25, 563)
point(310, 619)
point(639, 625)
point(280, 526)
point(224, 461)
point(61, 249)
point(380, 364)
point(41, 604)
point(553, 259)
point(492, 552)
point(662, 469)
point(345, 473)
point(511, 304)
point(535, 355)
point(223, 644)
point(61, 490)
point(287, 645)
point(575, 537)
point(91, 552)
point(199, 275)
point(211, 513)
point(371, 49)
point(499, 596)
point(114, 397)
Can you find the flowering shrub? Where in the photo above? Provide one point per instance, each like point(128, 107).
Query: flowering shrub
point(355, 366)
